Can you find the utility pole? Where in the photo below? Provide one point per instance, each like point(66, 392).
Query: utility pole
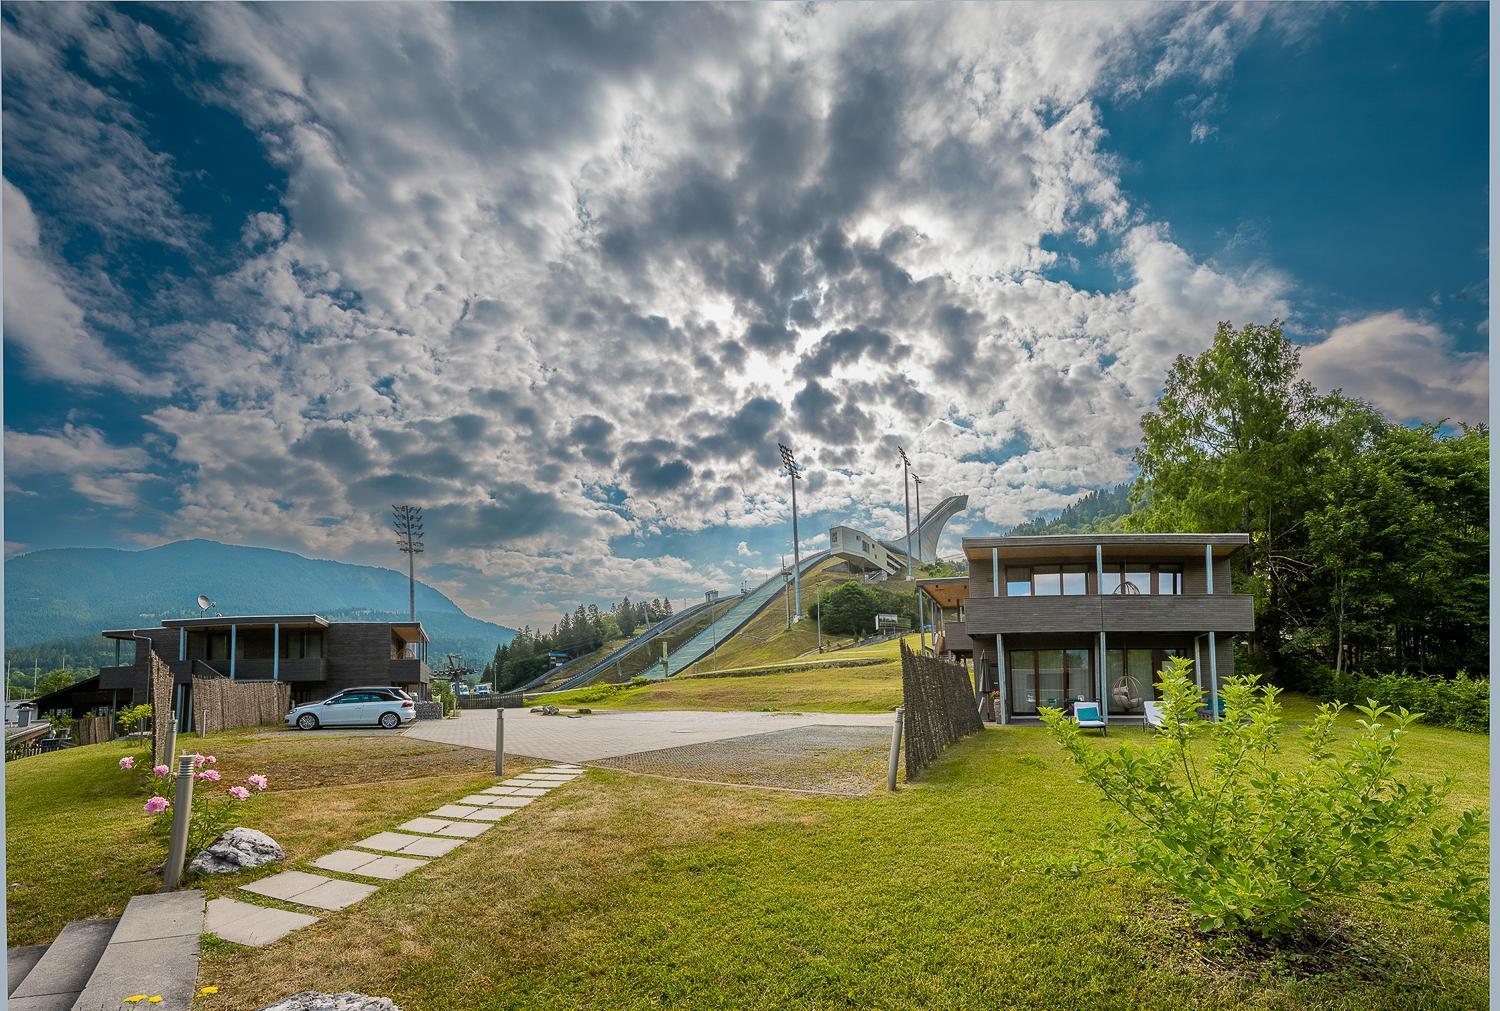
point(789, 463)
point(921, 609)
point(406, 520)
point(906, 490)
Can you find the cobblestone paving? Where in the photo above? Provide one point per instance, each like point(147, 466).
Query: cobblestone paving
point(848, 761)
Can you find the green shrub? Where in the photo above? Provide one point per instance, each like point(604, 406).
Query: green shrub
point(1461, 702)
point(1254, 840)
point(133, 718)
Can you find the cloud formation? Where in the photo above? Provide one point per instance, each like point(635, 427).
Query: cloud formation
point(566, 274)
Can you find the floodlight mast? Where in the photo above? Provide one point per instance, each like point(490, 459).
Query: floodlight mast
point(406, 520)
point(789, 464)
point(906, 490)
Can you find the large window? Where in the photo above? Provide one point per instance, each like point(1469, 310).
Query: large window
point(300, 645)
point(1141, 578)
point(1049, 677)
point(1131, 676)
point(1047, 581)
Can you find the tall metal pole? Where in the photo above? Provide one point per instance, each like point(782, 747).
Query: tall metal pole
point(906, 490)
point(921, 608)
point(406, 520)
point(182, 811)
point(789, 461)
point(786, 593)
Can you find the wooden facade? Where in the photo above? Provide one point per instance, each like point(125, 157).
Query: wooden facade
point(1055, 619)
point(314, 656)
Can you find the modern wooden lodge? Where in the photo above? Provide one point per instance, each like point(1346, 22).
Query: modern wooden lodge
point(1051, 620)
point(315, 656)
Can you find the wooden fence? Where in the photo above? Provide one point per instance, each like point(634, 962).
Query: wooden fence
point(91, 730)
point(161, 708)
point(940, 707)
point(221, 704)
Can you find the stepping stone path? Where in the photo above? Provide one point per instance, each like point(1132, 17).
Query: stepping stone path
point(384, 856)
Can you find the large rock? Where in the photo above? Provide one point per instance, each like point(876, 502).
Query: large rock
point(237, 850)
point(311, 1000)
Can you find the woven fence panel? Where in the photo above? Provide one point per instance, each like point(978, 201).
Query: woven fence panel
point(940, 707)
point(221, 704)
point(91, 730)
point(161, 708)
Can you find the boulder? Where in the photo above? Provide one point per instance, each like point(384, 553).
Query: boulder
point(311, 1000)
point(237, 850)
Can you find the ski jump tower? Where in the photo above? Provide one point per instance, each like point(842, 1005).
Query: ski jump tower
point(866, 553)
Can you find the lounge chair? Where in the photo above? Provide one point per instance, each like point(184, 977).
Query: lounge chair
point(1155, 720)
point(1087, 714)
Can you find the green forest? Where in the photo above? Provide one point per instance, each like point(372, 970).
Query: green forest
point(528, 655)
point(1369, 539)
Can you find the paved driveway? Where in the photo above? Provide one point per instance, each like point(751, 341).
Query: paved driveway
point(613, 734)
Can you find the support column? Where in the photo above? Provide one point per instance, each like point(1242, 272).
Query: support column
point(1002, 682)
point(117, 652)
point(1208, 566)
point(182, 643)
point(276, 651)
point(995, 569)
point(1103, 679)
point(1099, 569)
point(233, 640)
point(1213, 677)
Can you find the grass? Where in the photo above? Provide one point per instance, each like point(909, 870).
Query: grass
point(78, 845)
point(636, 892)
point(875, 688)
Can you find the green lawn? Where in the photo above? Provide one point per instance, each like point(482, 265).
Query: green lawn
point(78, 846)
point(635, 892)
point(875, 688)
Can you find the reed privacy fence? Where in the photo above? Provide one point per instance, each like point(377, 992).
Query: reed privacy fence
point(221, 704)
point(940, 708)
point(161, 708)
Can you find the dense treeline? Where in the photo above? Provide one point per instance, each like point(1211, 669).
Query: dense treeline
point(528, 655)
point(1369, 540)
point(1098, 512)
point(850, 608)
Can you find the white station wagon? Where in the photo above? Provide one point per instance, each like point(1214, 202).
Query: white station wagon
point(381, 706)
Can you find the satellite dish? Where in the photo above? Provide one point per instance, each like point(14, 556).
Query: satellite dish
point(204, 603)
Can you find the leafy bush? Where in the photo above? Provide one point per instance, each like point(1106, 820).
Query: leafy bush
point(133, 718)
point(1253, 840)
point(212, 812)
point(1461, 702)
point(442, 691)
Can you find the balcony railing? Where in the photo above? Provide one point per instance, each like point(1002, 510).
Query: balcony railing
point(1196, 612)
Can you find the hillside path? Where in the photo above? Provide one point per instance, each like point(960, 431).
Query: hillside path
point(613, 734)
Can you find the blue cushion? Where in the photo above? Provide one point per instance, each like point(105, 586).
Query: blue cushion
point(1084, 713)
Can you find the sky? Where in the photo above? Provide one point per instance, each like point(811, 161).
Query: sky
point(566, 275)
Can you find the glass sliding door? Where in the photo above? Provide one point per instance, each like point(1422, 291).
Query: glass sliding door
point(1023, 682)
point(1080, 675)
point(1050, 678)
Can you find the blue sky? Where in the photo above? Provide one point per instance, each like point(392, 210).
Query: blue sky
point(565, 275)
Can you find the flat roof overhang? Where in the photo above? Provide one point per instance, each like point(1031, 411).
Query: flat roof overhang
point(409, 631)
point(249, 621)
point(945, 591)
point(1053, 547)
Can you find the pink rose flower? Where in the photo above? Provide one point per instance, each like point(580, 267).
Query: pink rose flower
point(210, 760)
point(238, 792)
point(258, 781)
point(160, 770)
point(127, 762)
point(199, 760)
point(156, 805)
point(212, 775)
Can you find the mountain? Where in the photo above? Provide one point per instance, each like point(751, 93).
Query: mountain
point(59, 599)
point(1098, 512)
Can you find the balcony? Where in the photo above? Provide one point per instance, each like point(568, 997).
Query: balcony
point(1198, 612)
point(955, 638)
point(408, 672)
point(263, 670)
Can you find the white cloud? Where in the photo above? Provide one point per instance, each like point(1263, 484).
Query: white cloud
point(96, 469)
point(1408, 368)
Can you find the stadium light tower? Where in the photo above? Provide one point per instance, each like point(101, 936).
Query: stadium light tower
point(789, 464)
point(921, 608)
point(906, 490)
point(406, 520)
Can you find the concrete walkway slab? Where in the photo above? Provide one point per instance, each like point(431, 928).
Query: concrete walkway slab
point(432, 847)
point(287, 885)
point(336, 894)
point(489, 813)
point(160, 966)
point(500, 791)
point(368, 865)
point(439, 826)
point(390, 842)
point(60, 975)
point(252, 925)
point(508, 801)
point(612, 734)
point(20, 961)
point(454, 811)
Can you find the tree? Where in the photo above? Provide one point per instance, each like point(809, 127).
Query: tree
point(849, 609)
point(627, 618)
point(1228, 448)
point(55, 680)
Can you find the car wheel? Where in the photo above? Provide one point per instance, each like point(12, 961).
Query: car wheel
point(307, 721)
point(390, 721)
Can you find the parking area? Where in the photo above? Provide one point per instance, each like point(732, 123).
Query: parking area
point(826, 752)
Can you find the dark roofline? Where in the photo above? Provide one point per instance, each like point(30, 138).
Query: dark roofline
point(250, 620)
point(1232, 541)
